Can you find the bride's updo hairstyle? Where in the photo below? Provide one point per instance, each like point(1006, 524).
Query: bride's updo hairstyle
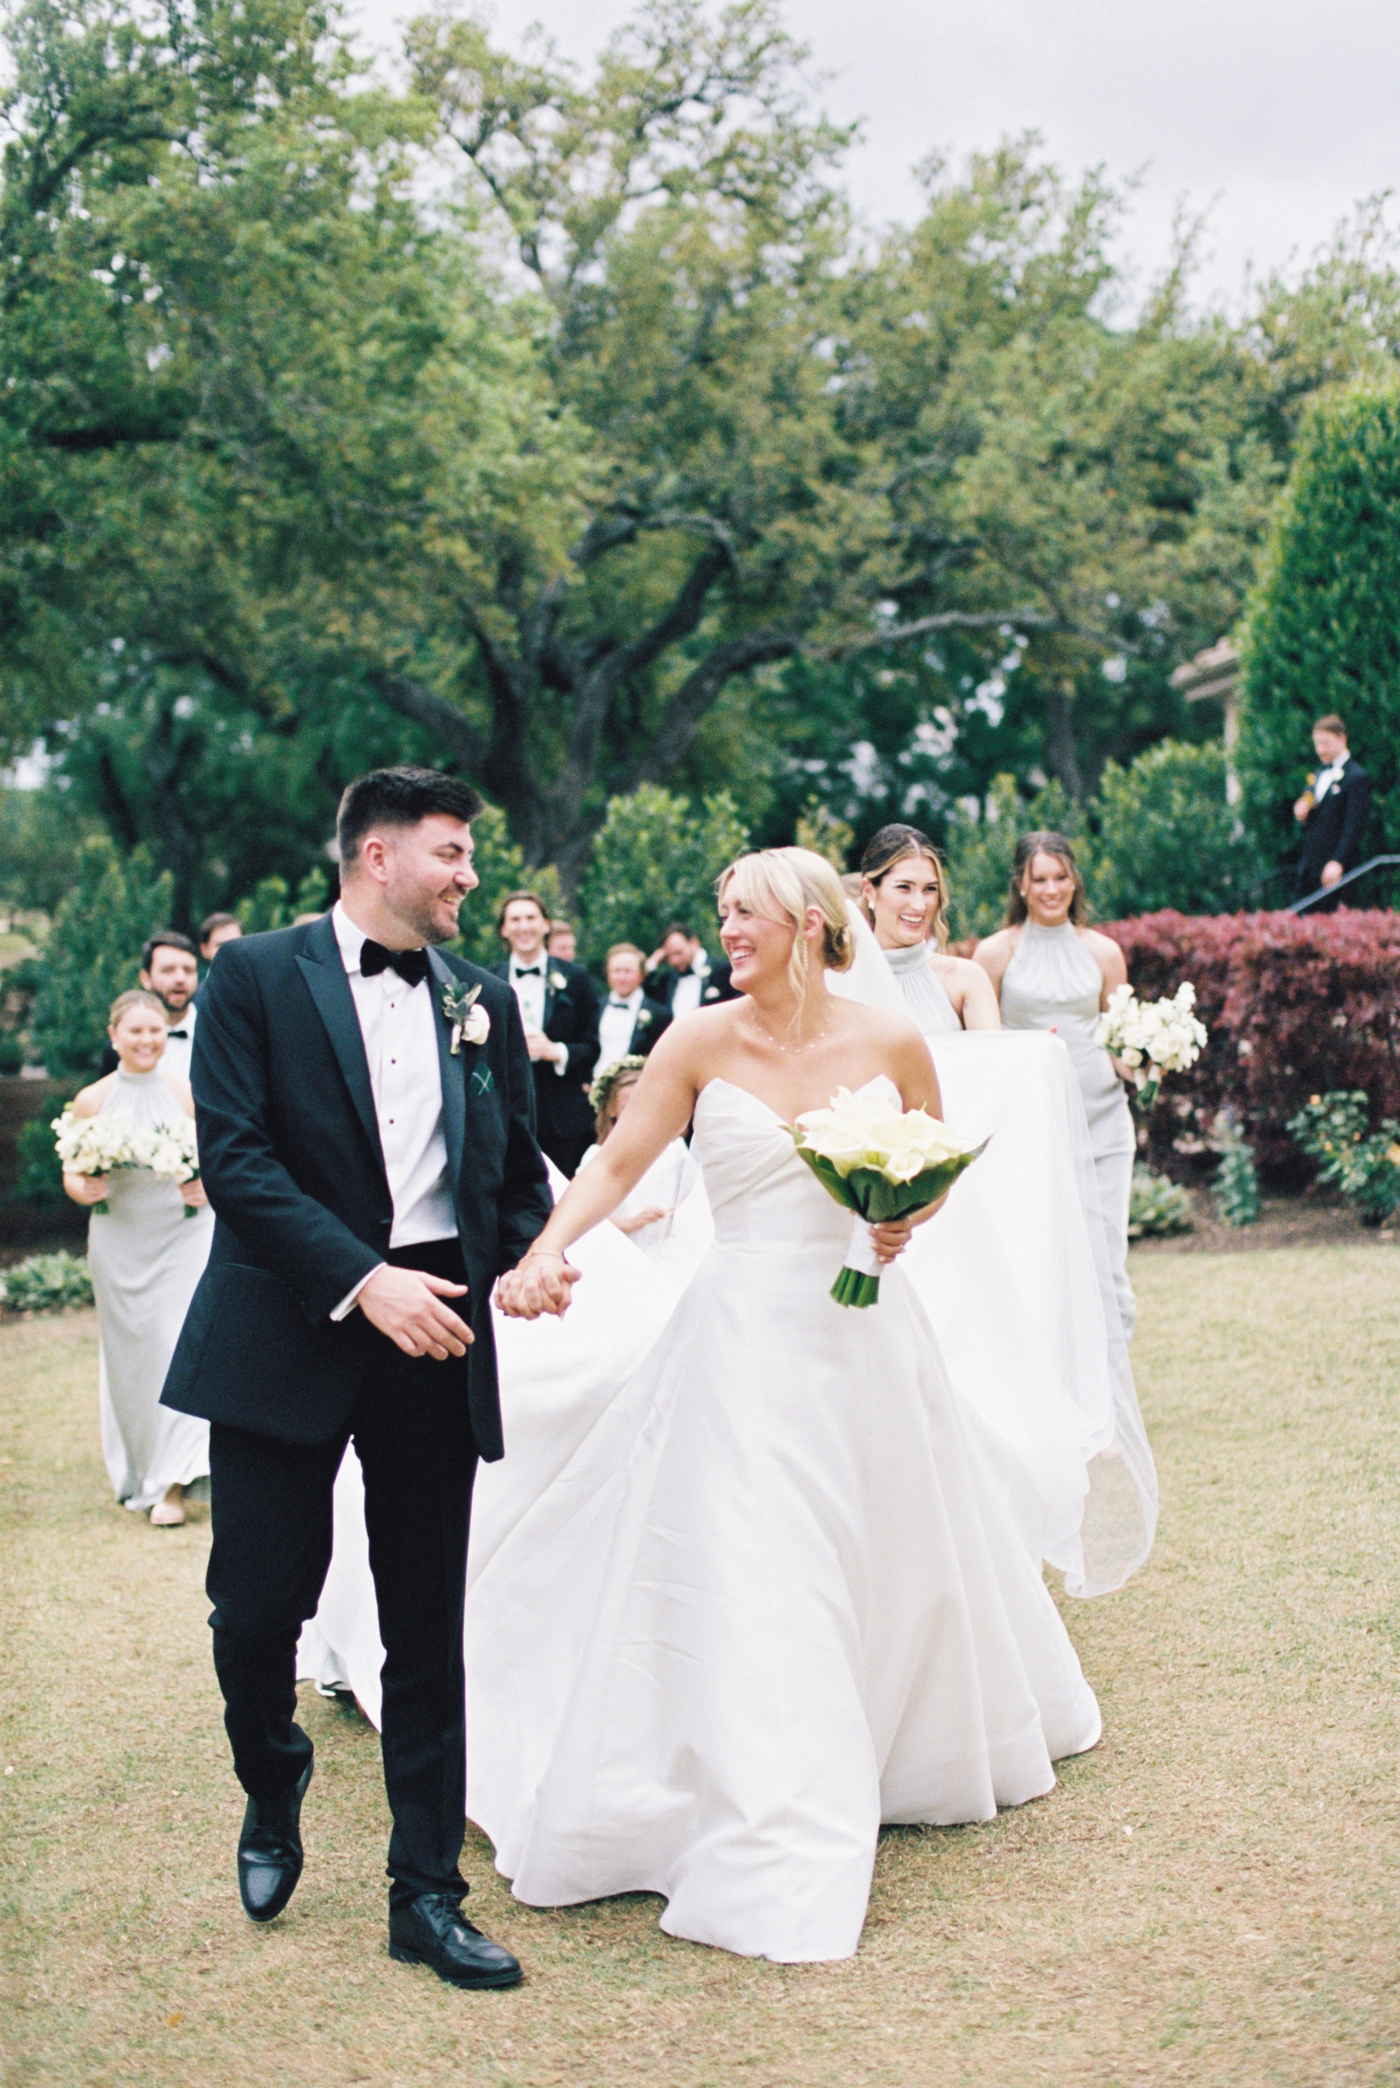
point(1027, 849)
point(894, 844)
point(780, 884)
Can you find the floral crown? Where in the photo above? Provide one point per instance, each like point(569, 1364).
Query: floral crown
point(607, 1083)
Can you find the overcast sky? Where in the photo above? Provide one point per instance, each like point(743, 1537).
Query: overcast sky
point(1276, 115)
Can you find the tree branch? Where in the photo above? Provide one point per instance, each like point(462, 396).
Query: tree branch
point(402, 693)
point(925, 626)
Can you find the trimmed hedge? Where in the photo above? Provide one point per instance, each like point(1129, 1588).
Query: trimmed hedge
point(1295, 1008)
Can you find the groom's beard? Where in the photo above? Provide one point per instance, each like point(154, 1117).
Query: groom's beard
point(419, 917)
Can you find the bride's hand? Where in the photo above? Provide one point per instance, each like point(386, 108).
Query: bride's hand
point(894, 1235)
point(542, 1282)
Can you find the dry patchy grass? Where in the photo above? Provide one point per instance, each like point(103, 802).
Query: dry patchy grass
point(1210, 1899)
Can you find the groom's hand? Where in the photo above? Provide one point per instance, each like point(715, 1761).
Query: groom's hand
point(407, 1305)
point(542, 1282)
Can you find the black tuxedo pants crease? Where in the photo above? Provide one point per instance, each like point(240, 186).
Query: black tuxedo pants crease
point(272, 1546)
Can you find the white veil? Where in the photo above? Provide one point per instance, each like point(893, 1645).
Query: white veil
point(1016, 1277)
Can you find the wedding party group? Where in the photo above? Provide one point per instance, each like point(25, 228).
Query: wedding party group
point(680, 1393)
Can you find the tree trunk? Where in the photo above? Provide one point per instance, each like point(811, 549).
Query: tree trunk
point(1060, 748)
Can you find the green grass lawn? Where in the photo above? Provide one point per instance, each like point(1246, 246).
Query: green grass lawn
point(1212, 1897)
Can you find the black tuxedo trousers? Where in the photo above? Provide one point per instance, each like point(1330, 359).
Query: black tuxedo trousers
point(411, 1428)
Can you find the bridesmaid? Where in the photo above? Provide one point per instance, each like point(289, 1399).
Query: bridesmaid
point(906, 903)
point(1052, 972)
point(146, 1257)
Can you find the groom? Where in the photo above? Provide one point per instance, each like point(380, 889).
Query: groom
point(366, 1135)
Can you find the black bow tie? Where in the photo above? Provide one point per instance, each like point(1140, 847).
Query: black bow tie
point(411, 965)
point(529, 971)
point(177, 1033)
point(614, 1002)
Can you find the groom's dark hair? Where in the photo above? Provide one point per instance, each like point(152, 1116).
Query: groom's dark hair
point(398, 797)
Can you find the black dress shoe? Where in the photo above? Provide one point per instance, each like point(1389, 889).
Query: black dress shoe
point(431, 1930)
point(269, 1851)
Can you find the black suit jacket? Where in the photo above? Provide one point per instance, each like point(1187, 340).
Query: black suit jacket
point(661, 985)
point(571, 1011)
point(1336, 829)
point(652, 1020)
point(291, 1159)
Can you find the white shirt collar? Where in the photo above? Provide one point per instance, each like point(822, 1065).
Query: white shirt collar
point(350, 938)
point(540, 964)
point(633, 1000)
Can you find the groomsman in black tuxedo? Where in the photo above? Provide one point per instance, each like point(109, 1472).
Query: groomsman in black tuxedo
point(1332, 812)
point(559, 1009)
point(683, 977)
point(630, 1023)
point(365, 1109)
point(169, 970)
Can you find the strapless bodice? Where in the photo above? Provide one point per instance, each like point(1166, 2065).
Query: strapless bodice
point(763, 1197)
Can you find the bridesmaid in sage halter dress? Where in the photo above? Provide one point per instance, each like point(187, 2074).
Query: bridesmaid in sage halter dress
point(146, 1249)
point(1052, 972)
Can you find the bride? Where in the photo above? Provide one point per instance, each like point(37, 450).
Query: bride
point(780, 1591)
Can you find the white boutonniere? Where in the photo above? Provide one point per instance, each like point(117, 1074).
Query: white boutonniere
point(470, 1024)
point(643, 1018)
point(558, 982)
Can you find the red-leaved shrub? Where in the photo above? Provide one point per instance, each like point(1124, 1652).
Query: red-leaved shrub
point(1294, 1007)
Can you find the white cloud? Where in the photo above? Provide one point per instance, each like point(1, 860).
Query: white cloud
point(1279, 114)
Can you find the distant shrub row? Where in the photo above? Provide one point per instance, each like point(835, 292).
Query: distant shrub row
point(1295, 1008)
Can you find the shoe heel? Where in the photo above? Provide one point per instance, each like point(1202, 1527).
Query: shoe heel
point(406, 1956)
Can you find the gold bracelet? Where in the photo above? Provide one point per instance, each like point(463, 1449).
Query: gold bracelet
point(531, 1252)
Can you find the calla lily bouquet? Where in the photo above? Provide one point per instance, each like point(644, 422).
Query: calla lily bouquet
point(880, 1163)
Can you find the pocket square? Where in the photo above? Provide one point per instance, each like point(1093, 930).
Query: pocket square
point(481, 1081)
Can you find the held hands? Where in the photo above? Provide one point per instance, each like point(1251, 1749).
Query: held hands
point(543, 1282)
point(85, 1189)
point(407, 1305)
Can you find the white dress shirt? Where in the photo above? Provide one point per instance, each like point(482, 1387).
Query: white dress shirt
point(615, 1027)
point(529, 983)
point(179, 1044)
point(1326, 778)
point(689, 987)
point(399, 1028)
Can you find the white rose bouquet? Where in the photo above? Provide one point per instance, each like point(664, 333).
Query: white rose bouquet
point(881, 1163)
point(97, 1145)
point(91, 1145)
point(1152, 1038)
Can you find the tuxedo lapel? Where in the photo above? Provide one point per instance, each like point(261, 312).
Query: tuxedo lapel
point(454, 1079)
point(329, 988)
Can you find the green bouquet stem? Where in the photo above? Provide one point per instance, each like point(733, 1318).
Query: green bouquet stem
point(853, 1287)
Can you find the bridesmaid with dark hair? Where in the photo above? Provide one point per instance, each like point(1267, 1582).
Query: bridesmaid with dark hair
point(905, 895)
point(1052, 971)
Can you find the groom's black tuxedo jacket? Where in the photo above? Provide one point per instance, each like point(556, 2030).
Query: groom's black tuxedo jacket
point(291, 1159)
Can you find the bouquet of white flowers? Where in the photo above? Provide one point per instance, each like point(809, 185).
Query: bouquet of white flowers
point(1154, 1038)
point(97, 1145)
point(880, 1163)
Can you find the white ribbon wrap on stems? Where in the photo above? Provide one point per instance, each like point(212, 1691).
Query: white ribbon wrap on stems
point(861, 1255)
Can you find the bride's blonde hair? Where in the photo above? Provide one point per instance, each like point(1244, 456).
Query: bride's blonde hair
point(780, 884)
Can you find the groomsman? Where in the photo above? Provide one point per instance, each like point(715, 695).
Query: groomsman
point(1332, 812)
point(559, 1008)
point(682, 976)
point(169, 970)
point(563, 941)
point(215, 931)
point(630, 1023)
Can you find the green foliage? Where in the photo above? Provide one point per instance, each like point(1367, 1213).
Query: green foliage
point(272, 905)
point(38, 1176)
point(1334, 1131)
point(47, 1283)
point(93, 953)
point(1236, 1185)
point(656, 860)
point(500, 868)
point(981, 847)
point(1157, 1206)
point(1323, 634)
point(821, 830)
point(40, 836)
point(1166, 836)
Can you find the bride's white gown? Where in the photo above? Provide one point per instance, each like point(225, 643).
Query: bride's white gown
point(777, 1594)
